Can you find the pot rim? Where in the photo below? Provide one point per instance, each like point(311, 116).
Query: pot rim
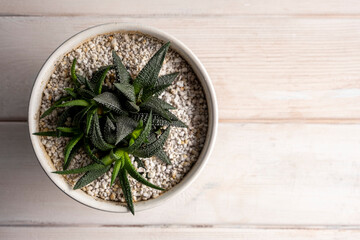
point(43, 77)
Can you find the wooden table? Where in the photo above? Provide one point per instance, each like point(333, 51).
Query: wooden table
point(287, 159)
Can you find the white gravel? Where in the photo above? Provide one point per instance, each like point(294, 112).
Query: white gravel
point(183, 145)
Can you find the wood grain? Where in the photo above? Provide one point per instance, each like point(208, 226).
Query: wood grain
point(264, 69)
point(89, 233)
point(176, 8)
point(259, 174)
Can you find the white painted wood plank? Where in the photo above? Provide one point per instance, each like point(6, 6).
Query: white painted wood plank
point(263, 68)
point(89, 233)
point(273, 174)
point(184, 7)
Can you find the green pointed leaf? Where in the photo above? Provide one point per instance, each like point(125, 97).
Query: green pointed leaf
point(149, 74)
point(80, 115)
point(71, 92)
point(74, 151)
point(162, 103)
point(139, 95)
point(154, 105)
point(90, 85)
point(68, 129)
point(78, 102)
point(143, 136)
point(109, 131)
point(116, 170)
point(110, 101)
point(53, 134)
point(166, 79)
point(131, 107)
point(85, 93)
point(150, 149)
point(98, 78)
point(96, 136)
point(90, 167)
point(162, 156)
point(122, 75)
point(127, 90)
point(70, 146)
point(46, 134)
point(54, 105)
point(159, 121)
point(133, 173)
point(126, 188)
point(81, 80)
point(90, 153)
point(124, 126)
point(90, 176)
point(157, 90)
point(73, 73)
point(89, 118)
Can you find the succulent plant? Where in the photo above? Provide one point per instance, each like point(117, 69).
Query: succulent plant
point(111, 123)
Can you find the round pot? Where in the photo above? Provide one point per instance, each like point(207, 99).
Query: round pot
point(40, 84)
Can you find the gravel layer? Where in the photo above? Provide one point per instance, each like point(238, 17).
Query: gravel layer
point(183, 145)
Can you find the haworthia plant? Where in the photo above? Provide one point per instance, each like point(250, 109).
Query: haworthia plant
point(112, 124)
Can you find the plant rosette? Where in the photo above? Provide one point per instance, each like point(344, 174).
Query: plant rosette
point(125, 114)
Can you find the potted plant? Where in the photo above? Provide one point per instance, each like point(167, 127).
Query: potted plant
point(109, 104)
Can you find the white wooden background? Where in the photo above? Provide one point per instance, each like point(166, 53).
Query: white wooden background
point(287, 159)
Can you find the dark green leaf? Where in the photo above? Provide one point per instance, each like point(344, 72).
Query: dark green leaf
point(81, 80)
point(122, 74)
point(124, 126)
point(154, 105)
point(53, 134)
point(152, 91)
point(91, 154)
point(96, 136)
point(91, 176)
point(166, 79)
point(139, 96)
point(116, 170)
point(71, 92)
point(126, 188)
point(150, 149)
point(54, 105)
point(149, 74)
point(47, 134)
point(90, 85)
point(72, 72)
point(110, 101)
point(80, 115)
point(92, 166)
point(162, 156)
point(133, 173)
point(131, 107)
point(78, 102)
point(74, 151)
point(68, 129)
point(158, 121)
point(161, 103)
point(143, 136)
point(98, 78)
point(85, 93)
point(127, 90)
point(109, 131)
point(89, 118)
point(70, 146)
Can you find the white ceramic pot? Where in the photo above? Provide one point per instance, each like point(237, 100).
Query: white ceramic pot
point(40, 84)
